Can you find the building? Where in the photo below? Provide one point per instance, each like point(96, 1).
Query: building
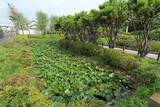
point(7, 27)
point(31, 28)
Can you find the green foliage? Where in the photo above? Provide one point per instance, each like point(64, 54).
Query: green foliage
point(155, 35)
point(155, 46)
point(119, 59)
point(47, 36)
point(68, 78)
point(114, 58)
point(80, 47)
point(139, 98)
point(24, 97)
point(127, 41)
point(143, 13)
point(147, 73)
point(20, 21)
point(42, 21)
point(11, 60)
point(102, 41)
point(92, 103)
point(53, 21)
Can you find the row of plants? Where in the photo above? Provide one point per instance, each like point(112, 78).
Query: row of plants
point(110, 20)
point(69, 78)
point(114, 58)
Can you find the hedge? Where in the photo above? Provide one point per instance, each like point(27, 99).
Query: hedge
point(114, 58)
point(130, 43)
point(155, 46)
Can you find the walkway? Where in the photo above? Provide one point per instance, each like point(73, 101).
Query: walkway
point(149, 55)
point(6, 37)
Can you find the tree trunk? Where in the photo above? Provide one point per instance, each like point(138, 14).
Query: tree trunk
point(112, 44)
point(143, 44)
point(44, 34)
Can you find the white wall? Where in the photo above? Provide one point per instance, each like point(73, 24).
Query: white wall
point(31, 31)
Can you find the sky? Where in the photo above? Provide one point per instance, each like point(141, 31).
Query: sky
point(51, 7)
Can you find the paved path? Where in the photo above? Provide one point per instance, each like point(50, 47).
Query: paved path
point(149, 55)
point(6, 36)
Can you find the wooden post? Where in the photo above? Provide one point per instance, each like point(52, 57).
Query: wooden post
point(154, 101)
point(158, 58)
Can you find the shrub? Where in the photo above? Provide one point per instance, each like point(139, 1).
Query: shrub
point(80, 47)
point(94, 103)
point(126, 41)
point(24, 97)
point(137, 99)
point(155, 46)
point(119, 59)
point(102, 41)
point(114, 58)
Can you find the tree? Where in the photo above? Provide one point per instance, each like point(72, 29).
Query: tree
point(112, 17)
point(20, 22)
point(143, 13)
point(18, 19)
point(1, 32)
point(53, 21)
point(42, 22)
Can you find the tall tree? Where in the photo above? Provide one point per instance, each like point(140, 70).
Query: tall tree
point(112, 17)
point(53, 21)
point(42, 22)
point(18, 19)
point(21, 22)
point(143, 13)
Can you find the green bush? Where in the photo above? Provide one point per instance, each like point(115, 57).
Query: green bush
point(94, 103)
point(137, 99)
point(119, 59)
point(126, 41)
point(25, 97)
point(80, 47)
point(102, 41)
point(155, 46)
point(114, 58)
point(129, 42)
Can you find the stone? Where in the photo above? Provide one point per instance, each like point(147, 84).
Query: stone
point(154, 100)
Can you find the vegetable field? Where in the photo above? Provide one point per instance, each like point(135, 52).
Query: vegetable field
point(70, 78)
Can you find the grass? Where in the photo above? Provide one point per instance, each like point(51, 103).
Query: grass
point(11, 56)
point(66, 78)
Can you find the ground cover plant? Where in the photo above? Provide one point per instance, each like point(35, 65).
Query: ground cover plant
point(69, 78)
